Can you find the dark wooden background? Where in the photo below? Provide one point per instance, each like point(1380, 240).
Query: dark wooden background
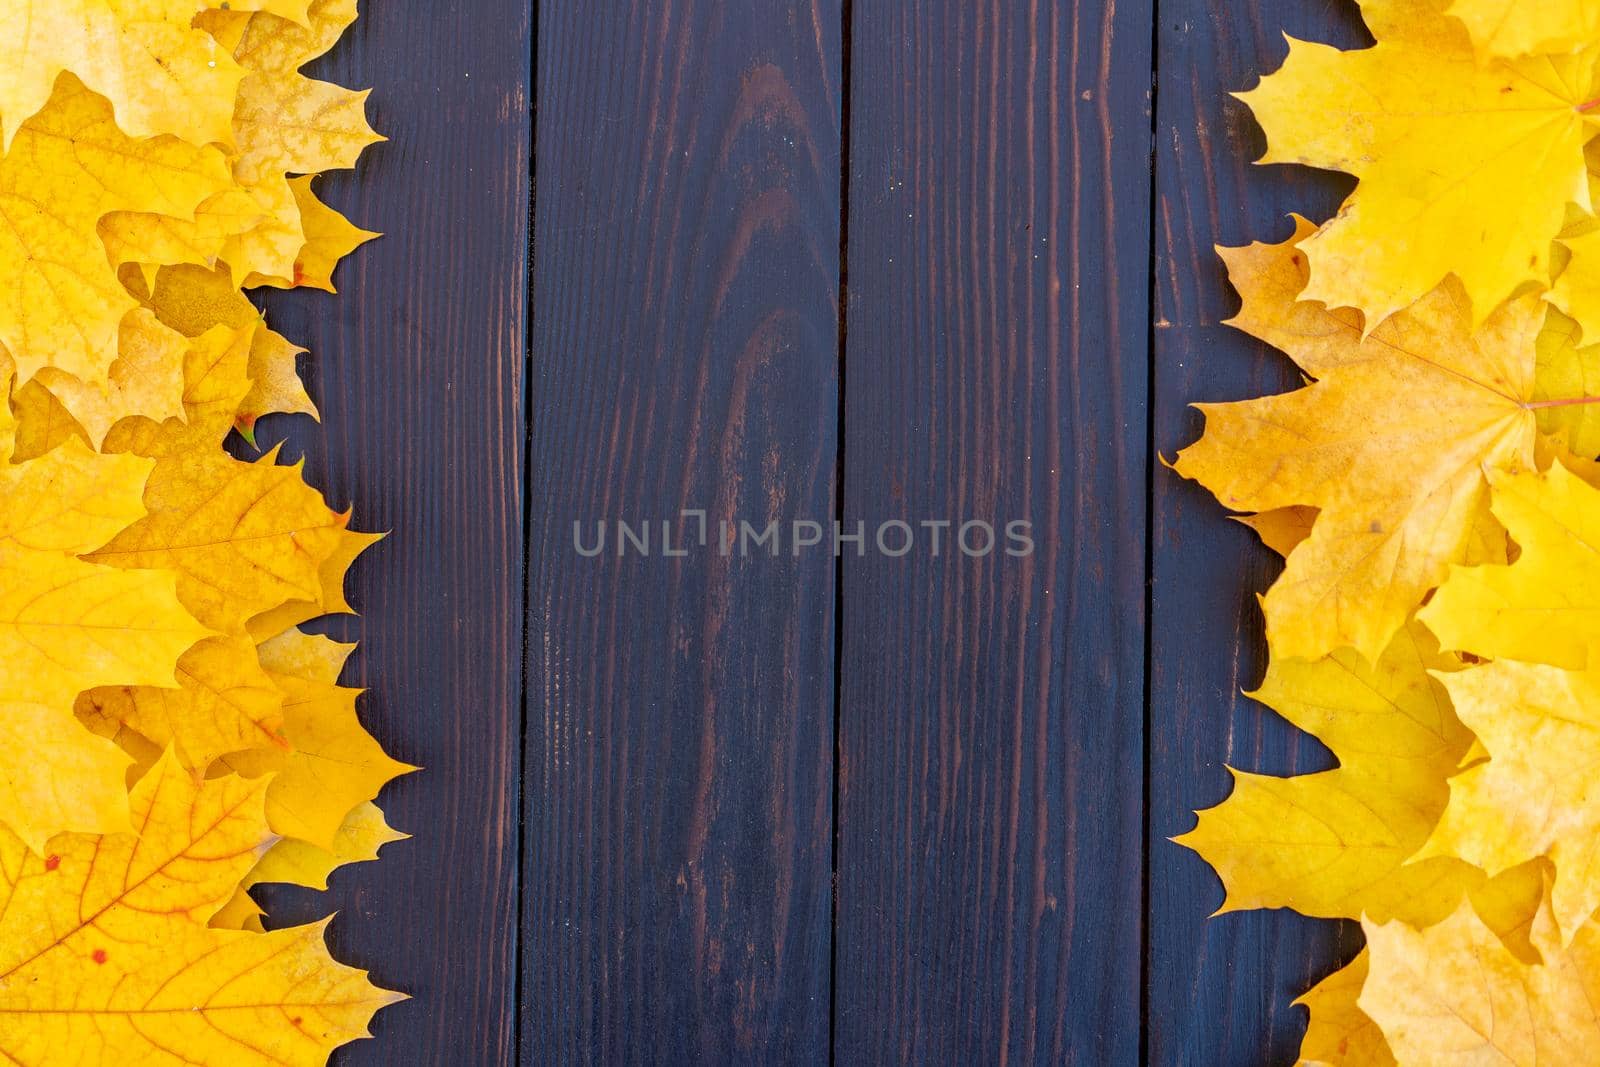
point(869, 260)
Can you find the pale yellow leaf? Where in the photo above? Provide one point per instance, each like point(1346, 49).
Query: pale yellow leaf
point(1544, 607)
point(161, 74)
point(1454, 996)
point(69, 167)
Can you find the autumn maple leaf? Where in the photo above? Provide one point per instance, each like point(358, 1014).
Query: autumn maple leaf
point(286, 123)
point(1339, 1033)
point(332, 765)
point(1532, 797)
point(1545, 606)
point(69, 167)
point(161, 74)
point(66, 625)
point(106, 956)
point(1517, 28)
point(1466, 166)
point(1389, 445)
point(1336, 843)
point(1454, 995)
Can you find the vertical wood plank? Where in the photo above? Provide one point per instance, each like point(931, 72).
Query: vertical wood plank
point(679, 735)
point(996, 369)
point(418, 368)
point(1220, 990)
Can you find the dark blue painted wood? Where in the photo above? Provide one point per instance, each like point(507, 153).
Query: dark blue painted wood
point(1220, 989)
point(677, 815)
point(418, 369)
point(996, 369)
point(679, 766)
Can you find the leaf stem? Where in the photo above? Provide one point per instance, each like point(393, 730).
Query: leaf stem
point(1533, 405)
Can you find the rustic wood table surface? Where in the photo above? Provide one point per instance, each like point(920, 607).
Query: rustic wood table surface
point(865, 261)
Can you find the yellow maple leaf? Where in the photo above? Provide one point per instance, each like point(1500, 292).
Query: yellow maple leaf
point(1339, 1033)
point(1516, 28)
point(1568, 369)
point(1389, 445)
point(1336, 843)
point(223, 702)
point(145, 379)
point(69, 501)
point(214, 367)
point(106, 958)
point(1434, 135)
point(153, 240)
point(66, 624)
point(215, 384)
point(271, 246)
point(1284, 529)
point(364, 832)
point(1454, 995)
point(70, 166)
point(277, 41)
point(55, 775)
point(162, 74)
point(1532, 796)
point(334, 765)
point(329, 237)
point(243, 538)
point(1544, 607)
point(252, 229)
point(332, 600)
point(286, 123)
point(192, 301)
point(292, 862)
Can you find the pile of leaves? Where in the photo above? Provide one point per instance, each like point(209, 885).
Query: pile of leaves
point(1434, 491)
point(169, 736)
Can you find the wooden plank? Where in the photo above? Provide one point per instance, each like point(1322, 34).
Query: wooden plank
point(679, 739)
point(1219, 990)
point(996, 368)
point(418, 369)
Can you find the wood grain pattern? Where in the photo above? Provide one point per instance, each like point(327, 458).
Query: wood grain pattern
point(991, 707)
point(418, 369)
point(677, 767)
point(1220, 990)
point(680, 744)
